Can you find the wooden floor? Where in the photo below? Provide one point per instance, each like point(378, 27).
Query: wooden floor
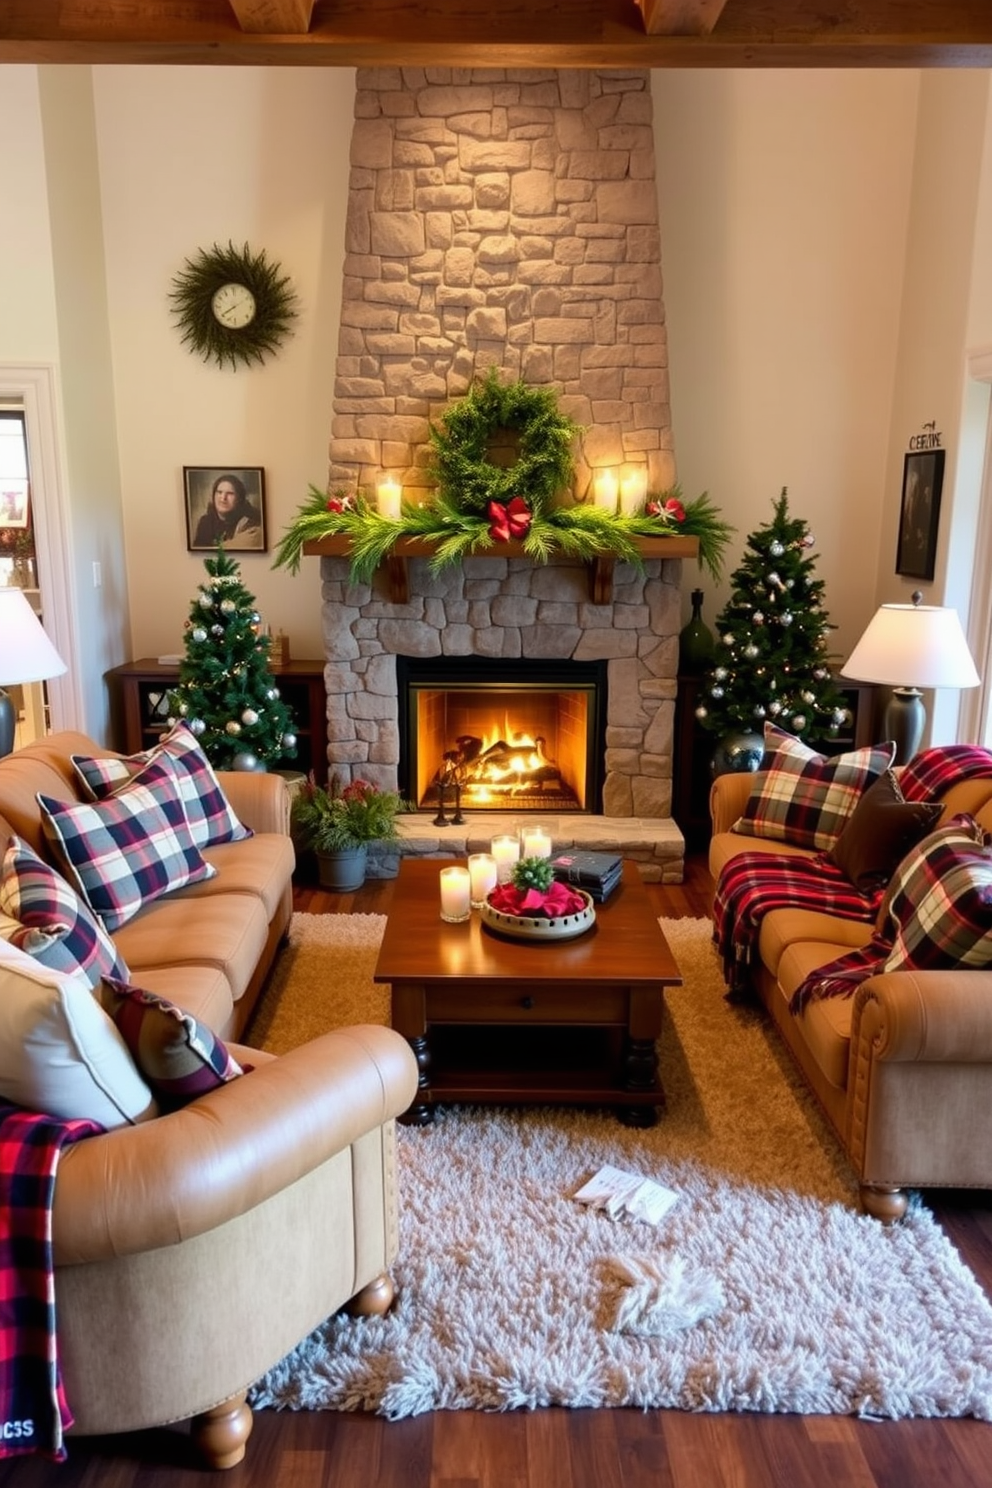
point(558, 1448)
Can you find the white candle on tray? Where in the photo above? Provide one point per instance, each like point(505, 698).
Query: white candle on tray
point(536, 842)
point(389, 498)
point(456, 896)
point(604, 488)
point(482, 877)
point(506, 852)
point(633, 490)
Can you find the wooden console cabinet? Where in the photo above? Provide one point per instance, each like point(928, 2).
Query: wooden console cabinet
point(140, 707)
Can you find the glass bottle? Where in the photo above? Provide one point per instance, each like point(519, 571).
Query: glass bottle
point(696, 644)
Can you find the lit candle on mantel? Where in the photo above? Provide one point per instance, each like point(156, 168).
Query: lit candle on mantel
point(506, 851)
point(604, 489)
point(536, 842)
point(456, 895)
point(389, 497)
point(633, 490)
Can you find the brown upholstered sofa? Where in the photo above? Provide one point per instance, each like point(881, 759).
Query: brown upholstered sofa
point(903, 1069)
point(194, 1249)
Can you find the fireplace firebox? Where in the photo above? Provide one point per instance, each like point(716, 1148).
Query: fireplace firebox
point(517, 735)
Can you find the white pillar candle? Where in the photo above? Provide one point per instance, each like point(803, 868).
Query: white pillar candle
point(456, 896)
point(605, 488)
point(506, 852)
point(389, 498)
point(482, 876)
point(633, 490)
point(536, 842)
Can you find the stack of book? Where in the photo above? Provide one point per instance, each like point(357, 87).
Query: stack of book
point(596, 872)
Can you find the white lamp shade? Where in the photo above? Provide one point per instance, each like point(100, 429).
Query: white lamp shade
point(26, 653)
point(909, 645)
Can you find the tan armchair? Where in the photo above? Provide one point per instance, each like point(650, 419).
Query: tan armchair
point(194, 1250)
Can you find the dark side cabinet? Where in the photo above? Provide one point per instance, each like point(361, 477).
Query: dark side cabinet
point(139, 695)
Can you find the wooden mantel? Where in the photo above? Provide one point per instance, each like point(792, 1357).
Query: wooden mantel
point(600, 569)
point(510, 33)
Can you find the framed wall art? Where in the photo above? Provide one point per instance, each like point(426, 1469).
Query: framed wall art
point(13, 501)
point(225, 503)
point(922, 480)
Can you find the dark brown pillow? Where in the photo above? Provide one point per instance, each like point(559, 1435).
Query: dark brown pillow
point(882, 829)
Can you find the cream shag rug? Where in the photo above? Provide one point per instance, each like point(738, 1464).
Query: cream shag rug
point(763, 1288)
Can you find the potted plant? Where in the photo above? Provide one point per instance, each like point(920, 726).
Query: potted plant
point(337, 823)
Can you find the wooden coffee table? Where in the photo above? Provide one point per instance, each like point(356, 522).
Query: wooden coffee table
point(504, 1021)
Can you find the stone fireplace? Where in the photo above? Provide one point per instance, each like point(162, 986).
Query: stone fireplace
point(504, 218)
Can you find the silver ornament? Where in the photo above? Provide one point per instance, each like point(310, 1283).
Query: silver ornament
point(227, 607)
point(773, 578)
point(759, 616)
point(775, 707)
point(183, 709)
point(199, 634)
point(716, 691)
point(787, 617)
point(289, 741)
point(206, 601)
point(776, 549)
point(233, 727)
point(751, 652)
point(720, 673)
point(171, 721)
point(245, 761)
point(272, 694)
point(197, 725)
point(702, 712)
point(809, 697)
point(799, 721)
point(728, 639)
point(216, 630)
point(248, 717)
point(759, 711)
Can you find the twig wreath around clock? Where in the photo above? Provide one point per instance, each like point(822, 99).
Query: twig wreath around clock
point(232, 305)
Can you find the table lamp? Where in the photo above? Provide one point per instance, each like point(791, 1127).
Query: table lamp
point(908, 647)
point(26, 655)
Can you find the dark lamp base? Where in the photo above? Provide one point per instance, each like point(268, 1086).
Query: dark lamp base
point(905, 718)
point(8, 721)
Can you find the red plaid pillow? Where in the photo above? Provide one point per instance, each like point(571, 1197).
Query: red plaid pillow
point(179, 1057)
point(805, 798)
point(939, 909)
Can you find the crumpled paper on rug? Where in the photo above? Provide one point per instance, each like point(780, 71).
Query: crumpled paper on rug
point(653, 1298)
point(618, 1193)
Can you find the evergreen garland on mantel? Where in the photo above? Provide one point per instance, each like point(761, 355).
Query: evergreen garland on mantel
point(477, 504)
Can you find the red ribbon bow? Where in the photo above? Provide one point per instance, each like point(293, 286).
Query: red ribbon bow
point(511, 520)
point(338, 503)
point(670, 508)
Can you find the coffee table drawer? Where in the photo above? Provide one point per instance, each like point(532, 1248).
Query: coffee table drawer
point(536, 1004)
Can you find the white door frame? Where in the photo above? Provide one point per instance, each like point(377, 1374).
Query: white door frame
point(35, 385)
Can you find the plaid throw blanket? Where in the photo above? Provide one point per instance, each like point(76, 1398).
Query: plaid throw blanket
point(753, 883)
point(33, 1409)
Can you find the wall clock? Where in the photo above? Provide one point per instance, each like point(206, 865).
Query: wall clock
point(232, 305)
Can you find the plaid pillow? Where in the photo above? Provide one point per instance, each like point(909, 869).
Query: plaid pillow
point(179, 1057)
point(805, 798)
point(939, 910)
point(50, 922)
point(124, 852)
point(208, 811)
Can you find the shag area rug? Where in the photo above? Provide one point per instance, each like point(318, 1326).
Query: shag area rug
point(762, 1289)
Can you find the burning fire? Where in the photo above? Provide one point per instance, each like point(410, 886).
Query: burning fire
point(505, 761)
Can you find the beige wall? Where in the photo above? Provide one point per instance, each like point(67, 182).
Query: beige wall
point(784, 200)
point(190, 157)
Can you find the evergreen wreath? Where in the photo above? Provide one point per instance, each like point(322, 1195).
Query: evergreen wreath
point(478, 504)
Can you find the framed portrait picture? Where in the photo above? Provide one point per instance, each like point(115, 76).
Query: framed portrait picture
point(922, 479)
point(13, 501)
point(225, 503)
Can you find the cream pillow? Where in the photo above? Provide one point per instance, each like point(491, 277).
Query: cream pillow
point(60, 1053)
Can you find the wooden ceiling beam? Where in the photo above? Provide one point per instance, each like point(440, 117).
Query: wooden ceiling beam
point(500, 33)
point(680, 17)
point(274, 17)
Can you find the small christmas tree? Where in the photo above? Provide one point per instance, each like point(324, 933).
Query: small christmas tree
point(771, 654)
point(226, 693)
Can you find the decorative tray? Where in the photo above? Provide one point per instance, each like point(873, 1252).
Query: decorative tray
point(536, 927)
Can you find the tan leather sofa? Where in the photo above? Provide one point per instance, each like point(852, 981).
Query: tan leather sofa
point(192, 1251)
point(903, 1069)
